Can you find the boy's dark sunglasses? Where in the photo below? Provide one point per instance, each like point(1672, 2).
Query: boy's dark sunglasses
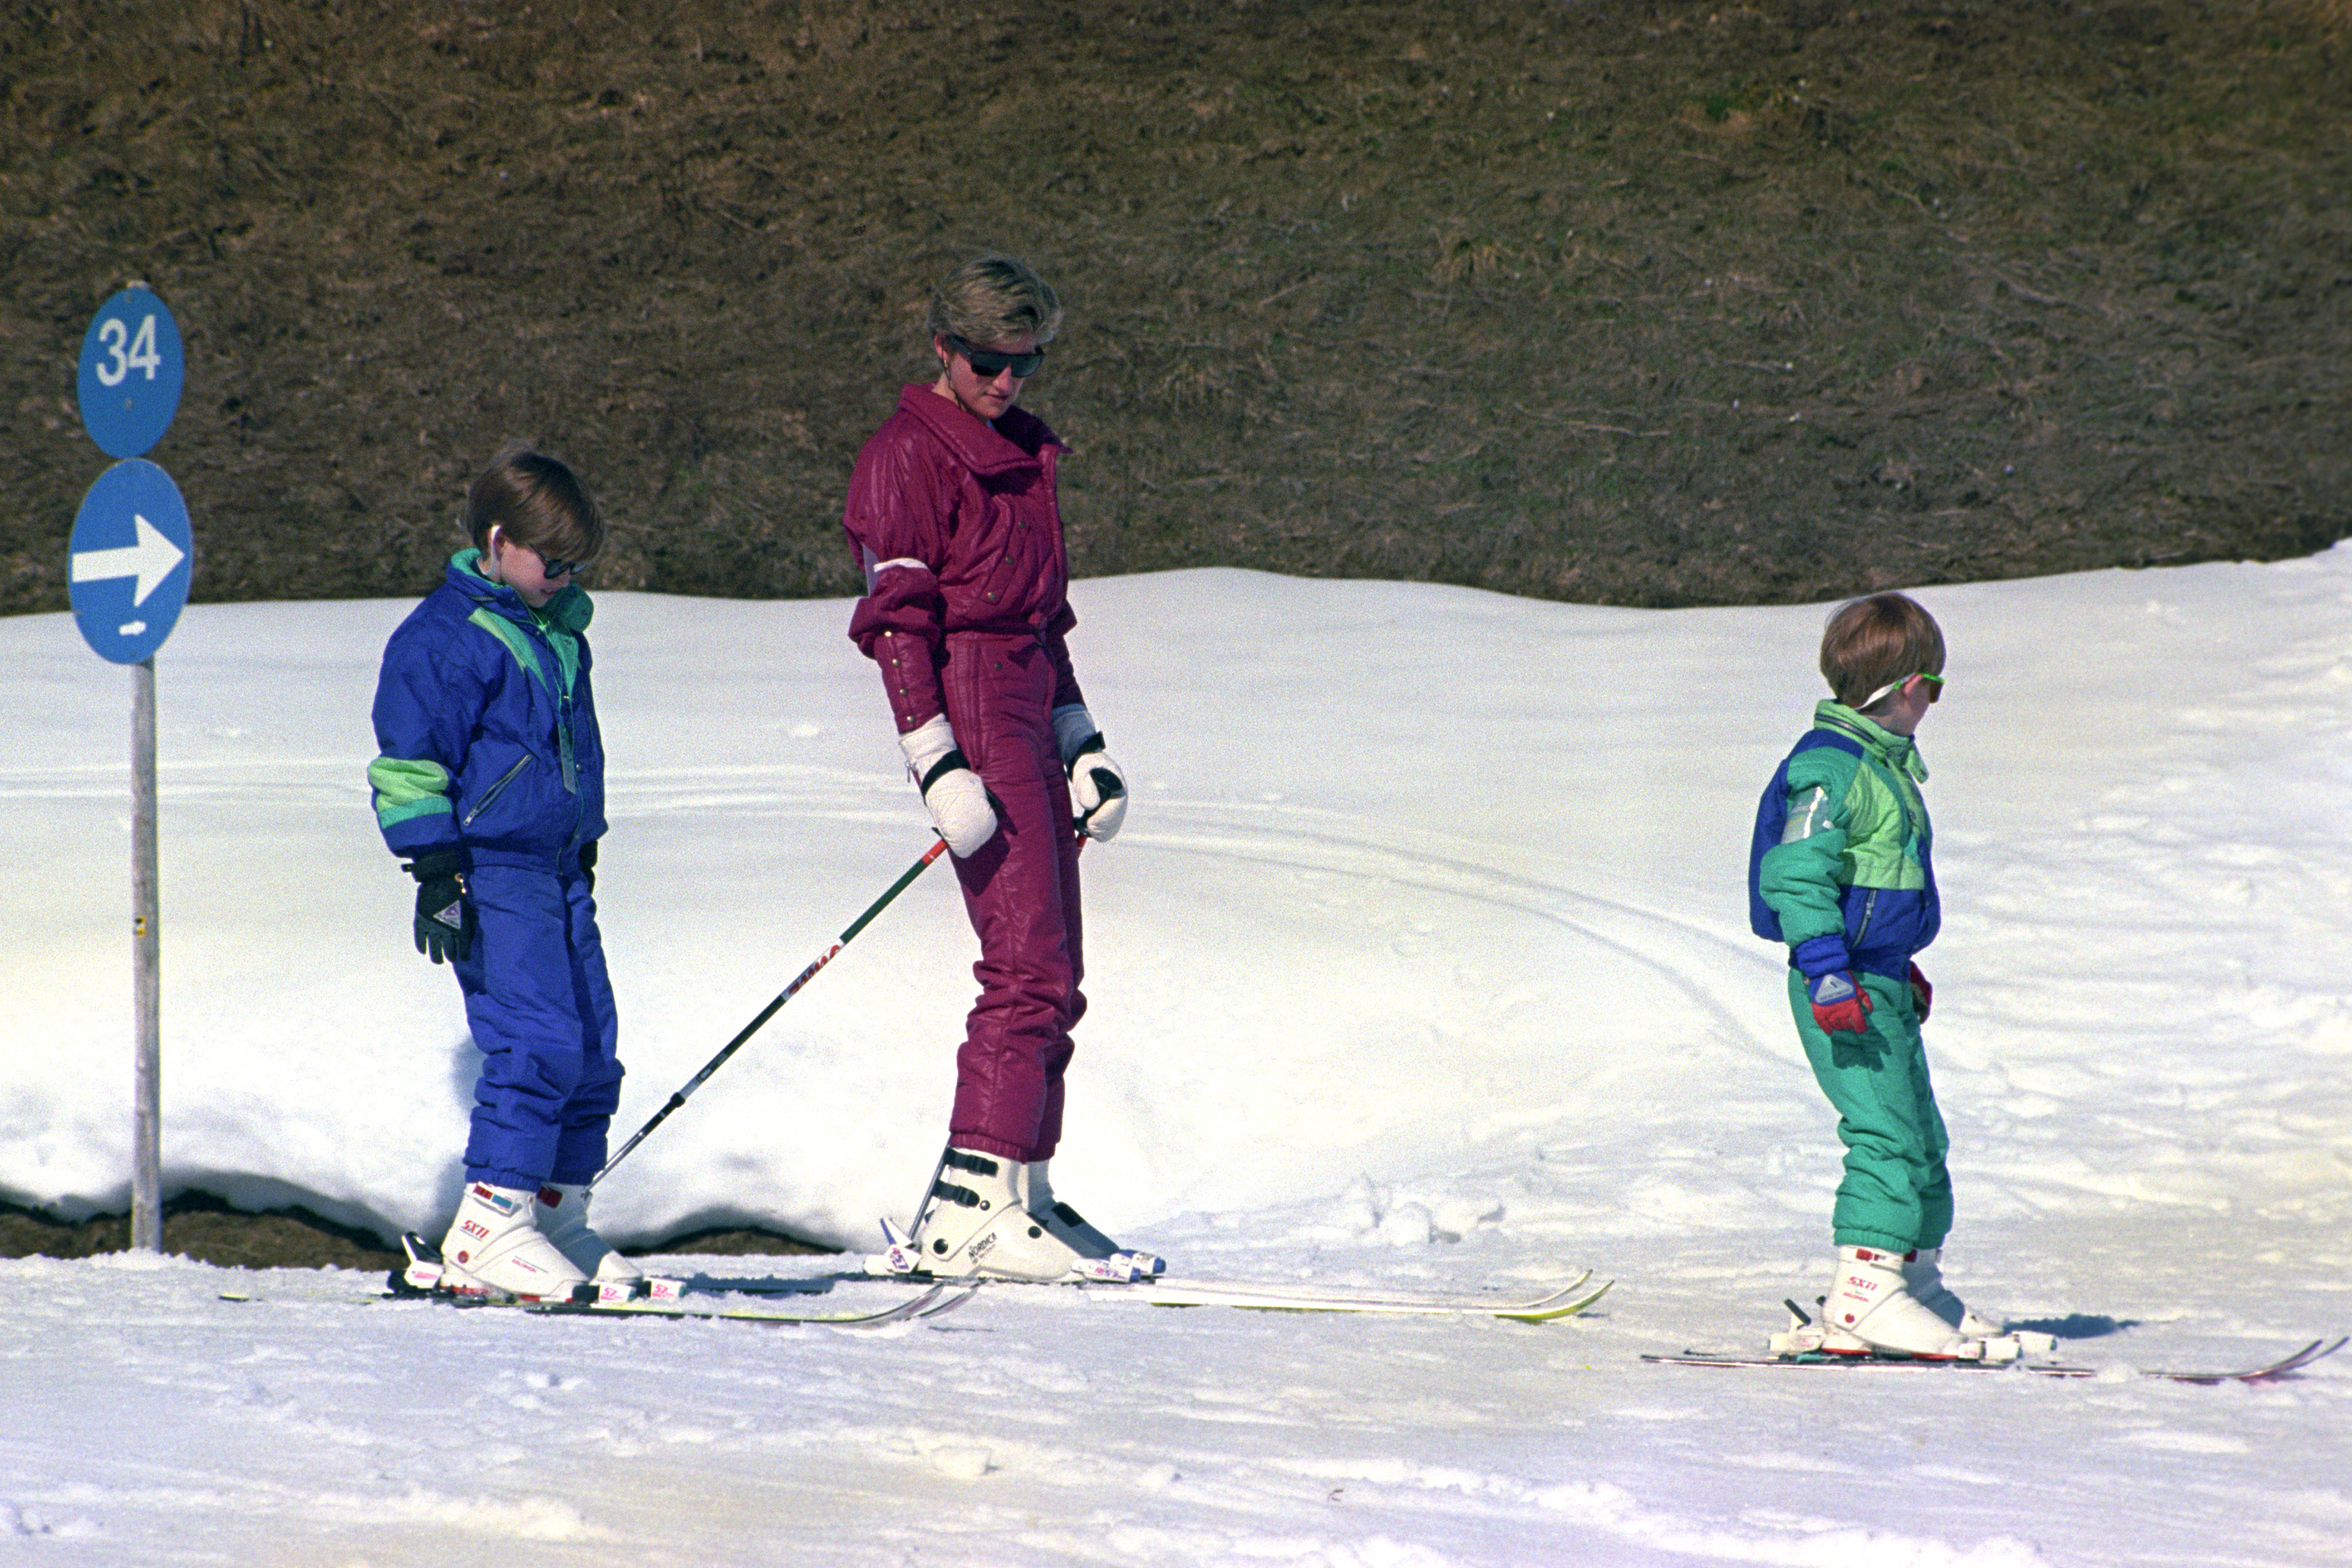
point(988, 364)
point(554, 568)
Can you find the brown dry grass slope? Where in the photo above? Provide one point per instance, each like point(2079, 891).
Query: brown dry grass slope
point(1642, 304)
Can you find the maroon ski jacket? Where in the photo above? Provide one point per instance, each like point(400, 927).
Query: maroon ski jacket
point(955, 523)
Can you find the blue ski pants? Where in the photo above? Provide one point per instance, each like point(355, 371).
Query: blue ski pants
point(540, 1007)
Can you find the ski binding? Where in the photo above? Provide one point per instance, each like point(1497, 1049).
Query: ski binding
point(900, 1258)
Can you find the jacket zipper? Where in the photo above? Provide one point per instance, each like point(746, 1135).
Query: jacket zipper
point(495, 790)
point(1869, 908)
point(563, 744)
point(1910, 831)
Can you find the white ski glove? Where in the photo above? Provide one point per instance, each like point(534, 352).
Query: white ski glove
point(957, 799)
point(1098, 785)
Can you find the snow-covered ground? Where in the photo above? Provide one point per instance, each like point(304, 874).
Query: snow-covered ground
point(1422, 959)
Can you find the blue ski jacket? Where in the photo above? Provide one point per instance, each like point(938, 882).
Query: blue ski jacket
point(1853, 878)
point(486, 728)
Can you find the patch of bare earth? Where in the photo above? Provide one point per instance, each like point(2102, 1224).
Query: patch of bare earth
point(1652, 304)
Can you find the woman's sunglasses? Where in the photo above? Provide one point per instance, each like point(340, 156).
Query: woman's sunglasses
point(988, 364)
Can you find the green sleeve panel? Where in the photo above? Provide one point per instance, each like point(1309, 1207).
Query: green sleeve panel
point(407, 790)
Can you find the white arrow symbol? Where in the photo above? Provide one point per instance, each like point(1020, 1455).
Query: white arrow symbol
point(151, 561)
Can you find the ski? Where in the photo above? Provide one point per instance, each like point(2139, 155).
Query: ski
point(424, 1279)
point(934, 1302)
point(1563, 1302)
point(1566, 1302)
point(2285, 1366)
point(1138, 1276)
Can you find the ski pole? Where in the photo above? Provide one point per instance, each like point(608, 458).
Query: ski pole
point(713, 1065)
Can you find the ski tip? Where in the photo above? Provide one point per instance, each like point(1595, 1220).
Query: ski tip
point(948, 1303)
point(1554, 1310)
point(2285, 1367)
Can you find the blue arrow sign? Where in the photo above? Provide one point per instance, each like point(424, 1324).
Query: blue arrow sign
point(132, 367)
point(127, 563)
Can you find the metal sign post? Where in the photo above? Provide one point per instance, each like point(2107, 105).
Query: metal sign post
point(147, 977)
point(123, 573)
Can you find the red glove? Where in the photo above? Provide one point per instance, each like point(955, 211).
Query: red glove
point(1840, 1004)
point(1923, 990)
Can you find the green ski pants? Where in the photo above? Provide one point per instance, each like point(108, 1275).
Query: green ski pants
point(1896, 1194)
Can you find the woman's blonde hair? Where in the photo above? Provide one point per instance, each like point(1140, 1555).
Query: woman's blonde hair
point(995, 300)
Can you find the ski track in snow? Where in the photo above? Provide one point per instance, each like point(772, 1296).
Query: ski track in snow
point(1414, 967)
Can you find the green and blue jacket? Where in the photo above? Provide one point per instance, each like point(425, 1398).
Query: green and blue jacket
point(487, 727)
point(1853, 878)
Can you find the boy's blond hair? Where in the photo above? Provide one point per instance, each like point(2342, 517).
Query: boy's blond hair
point(1871, 641)
point(535, 500)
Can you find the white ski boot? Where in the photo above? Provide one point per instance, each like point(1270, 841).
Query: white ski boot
point(494, 1245)
point(1926, 1283)
point(563, 1210)
point(1868, 1310)
point(1071, 1225)
point(976, 1223)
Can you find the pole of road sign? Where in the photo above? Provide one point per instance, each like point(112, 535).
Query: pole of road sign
point(147, 986)
point(122, 573)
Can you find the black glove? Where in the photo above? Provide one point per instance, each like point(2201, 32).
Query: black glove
point(588, 864)
point(445, 919)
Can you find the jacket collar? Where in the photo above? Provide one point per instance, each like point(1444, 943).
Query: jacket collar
point(1018, 440)
point(1895, 750)
point(570, 611)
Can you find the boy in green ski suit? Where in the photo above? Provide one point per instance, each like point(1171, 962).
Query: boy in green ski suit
point(1851, 886)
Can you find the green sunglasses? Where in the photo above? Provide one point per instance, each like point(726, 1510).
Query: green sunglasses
point(1935, 689)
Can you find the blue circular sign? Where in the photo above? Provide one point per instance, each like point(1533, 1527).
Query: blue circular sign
point(132, 367)
point(127, 566)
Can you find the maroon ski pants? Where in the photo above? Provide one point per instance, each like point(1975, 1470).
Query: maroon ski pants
point(1021, 889)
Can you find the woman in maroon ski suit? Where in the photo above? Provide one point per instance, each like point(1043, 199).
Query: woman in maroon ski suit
point(952, 512)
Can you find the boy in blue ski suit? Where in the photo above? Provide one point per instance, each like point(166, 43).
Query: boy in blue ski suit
point(491, 784)
point(1851, 888)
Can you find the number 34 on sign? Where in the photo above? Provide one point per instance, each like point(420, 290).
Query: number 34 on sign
point(132, 367)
